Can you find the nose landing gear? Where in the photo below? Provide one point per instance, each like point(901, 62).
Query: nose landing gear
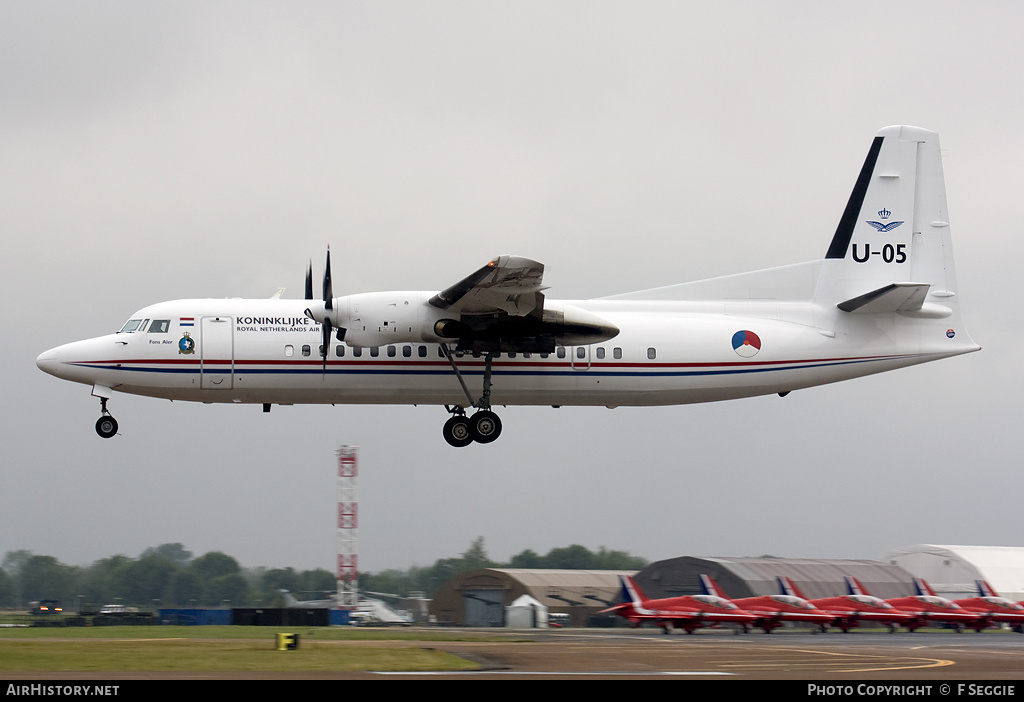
point(106, 425)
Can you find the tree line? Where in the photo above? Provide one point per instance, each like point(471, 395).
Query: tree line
point(170, 576)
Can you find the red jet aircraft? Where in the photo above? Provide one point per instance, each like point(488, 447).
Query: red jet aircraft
point(772, 610)
point(926, 607)
point(991, 608)
point(848, 611)
point(688, 612)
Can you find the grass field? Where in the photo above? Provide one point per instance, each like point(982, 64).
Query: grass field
point(226, 648)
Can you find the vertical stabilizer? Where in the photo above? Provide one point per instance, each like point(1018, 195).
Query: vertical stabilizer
point(892, 253)
point(853, 586)
point(984, 589)
point(709, 587)
point(922, 588)
point(786, 587)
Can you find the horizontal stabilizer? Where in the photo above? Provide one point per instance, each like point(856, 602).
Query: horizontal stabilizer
point(895, 297)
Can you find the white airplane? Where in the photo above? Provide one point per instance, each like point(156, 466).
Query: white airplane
point(883, 297)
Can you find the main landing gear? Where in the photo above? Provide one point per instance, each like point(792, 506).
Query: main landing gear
point(106, 425)
point(484, 426)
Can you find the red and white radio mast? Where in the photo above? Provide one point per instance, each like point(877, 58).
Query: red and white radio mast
point(348, 572)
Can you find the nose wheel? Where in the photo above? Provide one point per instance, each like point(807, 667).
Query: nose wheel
point(106, 425)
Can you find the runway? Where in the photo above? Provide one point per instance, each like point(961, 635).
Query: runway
point(646, 654)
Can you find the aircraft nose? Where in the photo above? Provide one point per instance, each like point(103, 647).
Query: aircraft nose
point(47, 361)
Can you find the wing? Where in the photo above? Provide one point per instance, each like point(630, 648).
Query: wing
point(501, 307)
point(509, 285)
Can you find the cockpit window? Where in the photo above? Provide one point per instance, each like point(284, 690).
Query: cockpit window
point(159, 326)
point(130, 326)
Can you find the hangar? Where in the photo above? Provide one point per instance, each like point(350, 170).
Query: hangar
point(747, 577)
point(480, 597)
point(952, 570)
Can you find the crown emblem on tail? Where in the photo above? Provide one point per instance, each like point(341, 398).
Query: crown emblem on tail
point(883, 227)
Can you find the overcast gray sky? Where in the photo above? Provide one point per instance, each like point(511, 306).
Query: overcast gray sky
point(155, 151)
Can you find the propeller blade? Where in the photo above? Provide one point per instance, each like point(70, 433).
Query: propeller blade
point(309, 282)
point(328, 288)
point(326, 339)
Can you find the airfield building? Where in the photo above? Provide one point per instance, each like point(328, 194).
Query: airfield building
point(482, 597)
point(748, 577)
point(953, 570)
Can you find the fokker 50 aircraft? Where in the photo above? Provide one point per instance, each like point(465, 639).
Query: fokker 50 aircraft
point(883, 297)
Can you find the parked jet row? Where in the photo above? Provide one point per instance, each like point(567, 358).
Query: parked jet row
point(844, 612)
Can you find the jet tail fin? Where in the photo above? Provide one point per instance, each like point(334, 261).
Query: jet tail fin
point(289, 598)
point(709, 587)
point(922, 588)
point(984, 589)
point(786, 587)
point(854, 587)
point(631, 592)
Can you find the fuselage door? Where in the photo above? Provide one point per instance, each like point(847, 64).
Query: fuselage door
point(217, 353)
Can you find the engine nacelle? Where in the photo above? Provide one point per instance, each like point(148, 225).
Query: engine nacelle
point(572, 326)
point(378, 319)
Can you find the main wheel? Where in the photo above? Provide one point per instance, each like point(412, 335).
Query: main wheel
point(457, 432)
point(485, 426)
point(106, 426)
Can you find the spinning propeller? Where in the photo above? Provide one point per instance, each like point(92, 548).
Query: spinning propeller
point(326, 324)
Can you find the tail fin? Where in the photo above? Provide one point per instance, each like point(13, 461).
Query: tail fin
point(709, 587)
point(892, 250)
point(854, 587)
point(921, 587)
point(289, 598)
point(631, 592)
point(786, 587)
point(984, 589)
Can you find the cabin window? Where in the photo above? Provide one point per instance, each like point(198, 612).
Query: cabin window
point(560, 352)
point(616, 352)
point(159, 326)
point(600, 352)
point(375, 351)
point(652, 353)
point(511, 354)
point(340, 351)
point(306, 349)
point(422, 351)
point(406, 351)
point(289, 350)
point(392, 352)
point(357, 351)
point(581, 352)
